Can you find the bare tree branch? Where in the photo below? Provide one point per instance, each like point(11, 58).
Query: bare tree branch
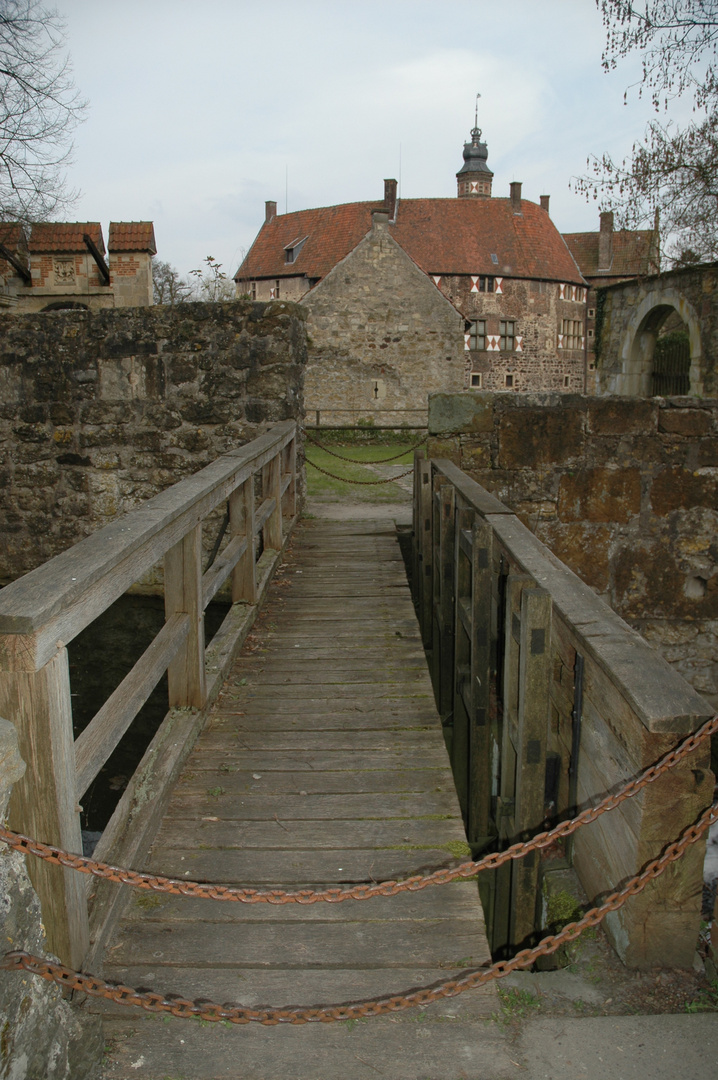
point(39, 109)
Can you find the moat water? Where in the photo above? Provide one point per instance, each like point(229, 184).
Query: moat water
point(100, 657)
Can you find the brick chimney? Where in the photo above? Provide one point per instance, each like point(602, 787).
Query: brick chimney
point(390, 198)
point(605, 241)
point(270, 210)
point(516, 197)
point(544, 202)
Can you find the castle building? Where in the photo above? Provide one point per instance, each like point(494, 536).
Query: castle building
point(405, 297)
point(607, 257)
point(51, 266)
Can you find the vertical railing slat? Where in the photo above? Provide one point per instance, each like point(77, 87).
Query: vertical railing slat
point(183, 593)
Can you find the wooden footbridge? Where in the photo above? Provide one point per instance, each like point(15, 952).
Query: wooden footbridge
point(304, 749)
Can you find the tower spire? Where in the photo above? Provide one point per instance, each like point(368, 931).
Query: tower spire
point(474, 177)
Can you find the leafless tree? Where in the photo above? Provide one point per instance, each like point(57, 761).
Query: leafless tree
point(673, 169)
point(39, 109)
point(167, 285)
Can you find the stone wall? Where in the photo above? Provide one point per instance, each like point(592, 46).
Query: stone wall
point(623, 490)
point(41, 1034)
point(101, 410)
point(541, 359)
point(629, 317)
point(382, 336)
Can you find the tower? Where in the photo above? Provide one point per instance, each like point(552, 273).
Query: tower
point(474, 177)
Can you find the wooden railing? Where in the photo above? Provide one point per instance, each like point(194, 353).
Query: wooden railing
point(43, 611)
point(550, 701)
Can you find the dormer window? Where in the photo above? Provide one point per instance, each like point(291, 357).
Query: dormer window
point(291, 251)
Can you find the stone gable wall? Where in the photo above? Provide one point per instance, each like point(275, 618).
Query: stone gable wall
point(623, 490)
point(382, 336)
point(102, 410)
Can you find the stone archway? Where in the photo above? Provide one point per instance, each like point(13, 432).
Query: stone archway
point(639, 342)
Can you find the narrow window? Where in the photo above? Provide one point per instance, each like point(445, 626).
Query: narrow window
point(254, 290)
point(276, 289)
point(507, 334)
point(509, 380)
point(477, 335)
point(567, 380)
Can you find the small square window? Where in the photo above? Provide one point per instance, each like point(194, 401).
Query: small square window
point(590, 331)
point(476, 380)
point(495, 260)
point(592, 313)
point(509, 380)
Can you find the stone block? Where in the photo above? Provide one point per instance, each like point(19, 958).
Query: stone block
point(530, 437)
point(686, 422)
point(621, 416)
point(465, 412)
point(584, 548)
point(676, 488)
point(600, 495)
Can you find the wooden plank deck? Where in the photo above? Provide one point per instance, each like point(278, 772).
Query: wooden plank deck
point(322, 763)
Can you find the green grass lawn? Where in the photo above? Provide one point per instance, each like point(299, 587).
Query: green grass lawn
point(320, 485)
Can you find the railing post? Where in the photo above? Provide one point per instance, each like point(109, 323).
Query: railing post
point(480, 731)
point(183, 593)
point(241, 523)
point(290, 496)
point(447, 504)
point(425, 549)
point(44, 803)
point(272, 489)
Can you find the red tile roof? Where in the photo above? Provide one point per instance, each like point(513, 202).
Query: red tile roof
point(331, 231)
point(64, 236)
point(633, 253)
point(12, 235)
point(443, 236)
point(132, 236)
point(459, 236)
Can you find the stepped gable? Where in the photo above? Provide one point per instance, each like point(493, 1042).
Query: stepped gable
point(632, 252)
point(64, 236)
point(132, 236)
point(331, 233)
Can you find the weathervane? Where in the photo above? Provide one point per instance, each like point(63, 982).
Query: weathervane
point(476, 131)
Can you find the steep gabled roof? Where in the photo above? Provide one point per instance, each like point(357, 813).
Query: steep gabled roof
point(64, 236)
point(132, 236)
point(632, 253)
point(459, 236)
point(443, 236)
point(331, 232)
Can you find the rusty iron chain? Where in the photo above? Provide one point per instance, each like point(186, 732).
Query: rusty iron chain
point(358, 461)
point(269, 1016)
point(365, 890)
point(344, 479)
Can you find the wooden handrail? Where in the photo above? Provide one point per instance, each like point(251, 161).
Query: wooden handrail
point(539, 682)
point(43, 611)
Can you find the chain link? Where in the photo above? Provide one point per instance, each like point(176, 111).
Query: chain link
point(358, 461)
point(366, 890)
point(345, 480)
point(239, 1014)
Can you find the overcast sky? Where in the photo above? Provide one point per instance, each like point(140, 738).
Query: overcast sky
point(199, 112)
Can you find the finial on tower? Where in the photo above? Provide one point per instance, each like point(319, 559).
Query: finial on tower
point(476, 130)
